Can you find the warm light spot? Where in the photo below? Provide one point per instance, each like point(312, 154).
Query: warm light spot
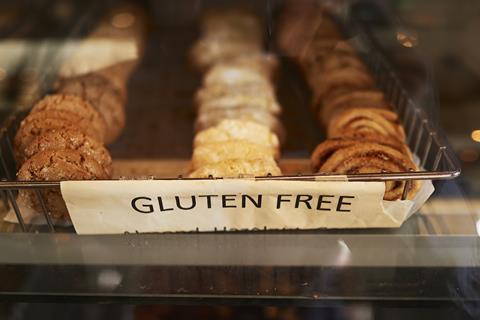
point(123, 20)
point(407, 40)
point(3, 74)
point(476, 135)
point(469, 155)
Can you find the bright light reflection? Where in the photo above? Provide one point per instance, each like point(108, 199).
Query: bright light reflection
point(476, 135)
point(407, 40)
point(345, 254)
point(109, 279)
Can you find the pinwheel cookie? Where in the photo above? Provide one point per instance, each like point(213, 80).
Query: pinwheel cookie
point(379, 121)
point(352, 157)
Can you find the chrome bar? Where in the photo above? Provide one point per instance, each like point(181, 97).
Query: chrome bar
point(427, 149)
point(45, 211)
point(438, 158)
point(419, 137)
point(406, 186)
point(11, 196)
point(411, 124)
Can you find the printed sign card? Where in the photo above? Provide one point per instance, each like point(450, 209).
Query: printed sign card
point(113, 207)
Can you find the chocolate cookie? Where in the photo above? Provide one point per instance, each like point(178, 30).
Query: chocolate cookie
point(102, 95)
point(76, 105)
point(73, 140)
point(56, 165)
point(38, 123)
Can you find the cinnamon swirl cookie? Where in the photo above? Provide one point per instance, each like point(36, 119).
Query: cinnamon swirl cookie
point(341, 60)
point(324, 150)
point(368, 157)
point(346, 78)
point(379, 121)
point(336, 103)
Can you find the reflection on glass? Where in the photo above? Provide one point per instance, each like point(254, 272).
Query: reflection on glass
point(407, 40)
point(109, 279)
point(476, 135)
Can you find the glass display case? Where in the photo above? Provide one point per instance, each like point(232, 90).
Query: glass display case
point(428, 267)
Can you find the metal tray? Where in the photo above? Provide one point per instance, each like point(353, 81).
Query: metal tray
point(423, 136)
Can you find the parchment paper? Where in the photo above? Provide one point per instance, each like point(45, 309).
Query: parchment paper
point(110, 207)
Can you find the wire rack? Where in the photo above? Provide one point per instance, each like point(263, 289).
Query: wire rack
point(425, 139)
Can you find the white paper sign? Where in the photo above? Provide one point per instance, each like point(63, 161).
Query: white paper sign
point(112, 207)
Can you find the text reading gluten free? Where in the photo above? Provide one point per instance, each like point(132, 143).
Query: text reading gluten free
point(144, 204)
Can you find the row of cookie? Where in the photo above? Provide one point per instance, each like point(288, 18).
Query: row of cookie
point(239, 88)
point(63, 136)
point(237, 84)
point(364, 134)
point(236, 106)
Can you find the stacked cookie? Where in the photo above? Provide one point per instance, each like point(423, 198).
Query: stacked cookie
point(237, 126)
point(63, 136)
point(364, 134)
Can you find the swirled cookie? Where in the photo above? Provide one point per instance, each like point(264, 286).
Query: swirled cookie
point(336, 103)
point(379, 121)
point(368, 157)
